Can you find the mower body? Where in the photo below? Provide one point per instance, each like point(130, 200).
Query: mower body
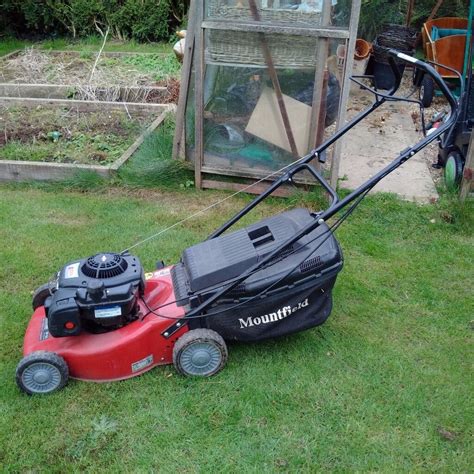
point(291, 294)
point(121, 353)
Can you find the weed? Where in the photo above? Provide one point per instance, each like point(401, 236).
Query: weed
point(66, 136)
point(162, 67)
point(101, 433)
point(87, 55)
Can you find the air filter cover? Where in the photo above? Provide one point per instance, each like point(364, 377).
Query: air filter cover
point(104, 265)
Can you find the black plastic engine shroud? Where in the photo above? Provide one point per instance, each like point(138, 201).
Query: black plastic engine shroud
point(97, 294)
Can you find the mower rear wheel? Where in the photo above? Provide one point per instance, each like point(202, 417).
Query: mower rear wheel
point(41, 372)
point(453, 170)
point(200, 352)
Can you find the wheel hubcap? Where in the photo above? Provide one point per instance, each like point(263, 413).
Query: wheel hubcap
point(201, 358)
point(450, 173)
point(41, 377)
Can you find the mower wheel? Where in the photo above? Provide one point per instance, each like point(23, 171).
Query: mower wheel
point(200, 352)
point(453, 170)
point(41, 372)
point(426, 91)
point(40, 295)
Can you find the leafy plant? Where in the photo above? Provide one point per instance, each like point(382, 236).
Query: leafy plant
point(375, 13)
point(142, 20)
point(161, 66)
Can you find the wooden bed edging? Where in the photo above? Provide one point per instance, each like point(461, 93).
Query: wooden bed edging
point(12, 170)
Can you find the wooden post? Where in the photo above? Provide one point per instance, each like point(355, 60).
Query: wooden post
point(318, 115)
point(179, 135)
point(276, 83)
point(199, 95)
point(435, 10)
point(468, 173)
point(322, 112)
point(411, 5)
point(346, 87)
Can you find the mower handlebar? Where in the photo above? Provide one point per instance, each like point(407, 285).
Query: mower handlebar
point(428, 69)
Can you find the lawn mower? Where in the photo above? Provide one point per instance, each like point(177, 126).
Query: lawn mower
point(103, 318)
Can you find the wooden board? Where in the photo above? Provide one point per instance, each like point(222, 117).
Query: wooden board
point(467, 183)
point(32, 170)
point(260, 27)
point(134, 146)
point(180, 131)
point(63, 91)
point(346, 87)
point(266, 121)
point(282, 191)
point(84, 105)
point(199, 94)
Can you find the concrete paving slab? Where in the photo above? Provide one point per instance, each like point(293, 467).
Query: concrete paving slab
point(375, 142)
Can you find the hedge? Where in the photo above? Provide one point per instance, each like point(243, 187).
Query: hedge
point(156, 20)
point(141, 20)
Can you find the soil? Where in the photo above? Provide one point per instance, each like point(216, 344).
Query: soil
point(65, 135)
point(99, 82)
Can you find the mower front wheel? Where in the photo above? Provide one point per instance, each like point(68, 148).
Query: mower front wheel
point(41, 372)
point(200, 352)
point(40, 295)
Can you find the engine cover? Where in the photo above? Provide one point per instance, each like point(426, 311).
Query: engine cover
point(96, 294)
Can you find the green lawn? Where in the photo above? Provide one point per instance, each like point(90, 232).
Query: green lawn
point(384, 385)
point(91, 44)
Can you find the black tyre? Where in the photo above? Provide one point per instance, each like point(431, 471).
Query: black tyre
point(40, 295)
point(41, 372)
point(453, 170)
point(200, 352)
point(426, 91)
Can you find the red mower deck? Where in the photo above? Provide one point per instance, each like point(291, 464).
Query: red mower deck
point(119, 354)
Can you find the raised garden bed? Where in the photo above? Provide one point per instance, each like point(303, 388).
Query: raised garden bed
point(54, 139)
point(128, 77)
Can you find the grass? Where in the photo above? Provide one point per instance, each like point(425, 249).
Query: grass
point(93, 44)
point(161, 67)
point(384, 385)
point(90, 44)
point(151, 165)
point(8, 45)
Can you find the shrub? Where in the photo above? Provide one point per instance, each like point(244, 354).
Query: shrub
point(141, 20)
point(374, 13)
